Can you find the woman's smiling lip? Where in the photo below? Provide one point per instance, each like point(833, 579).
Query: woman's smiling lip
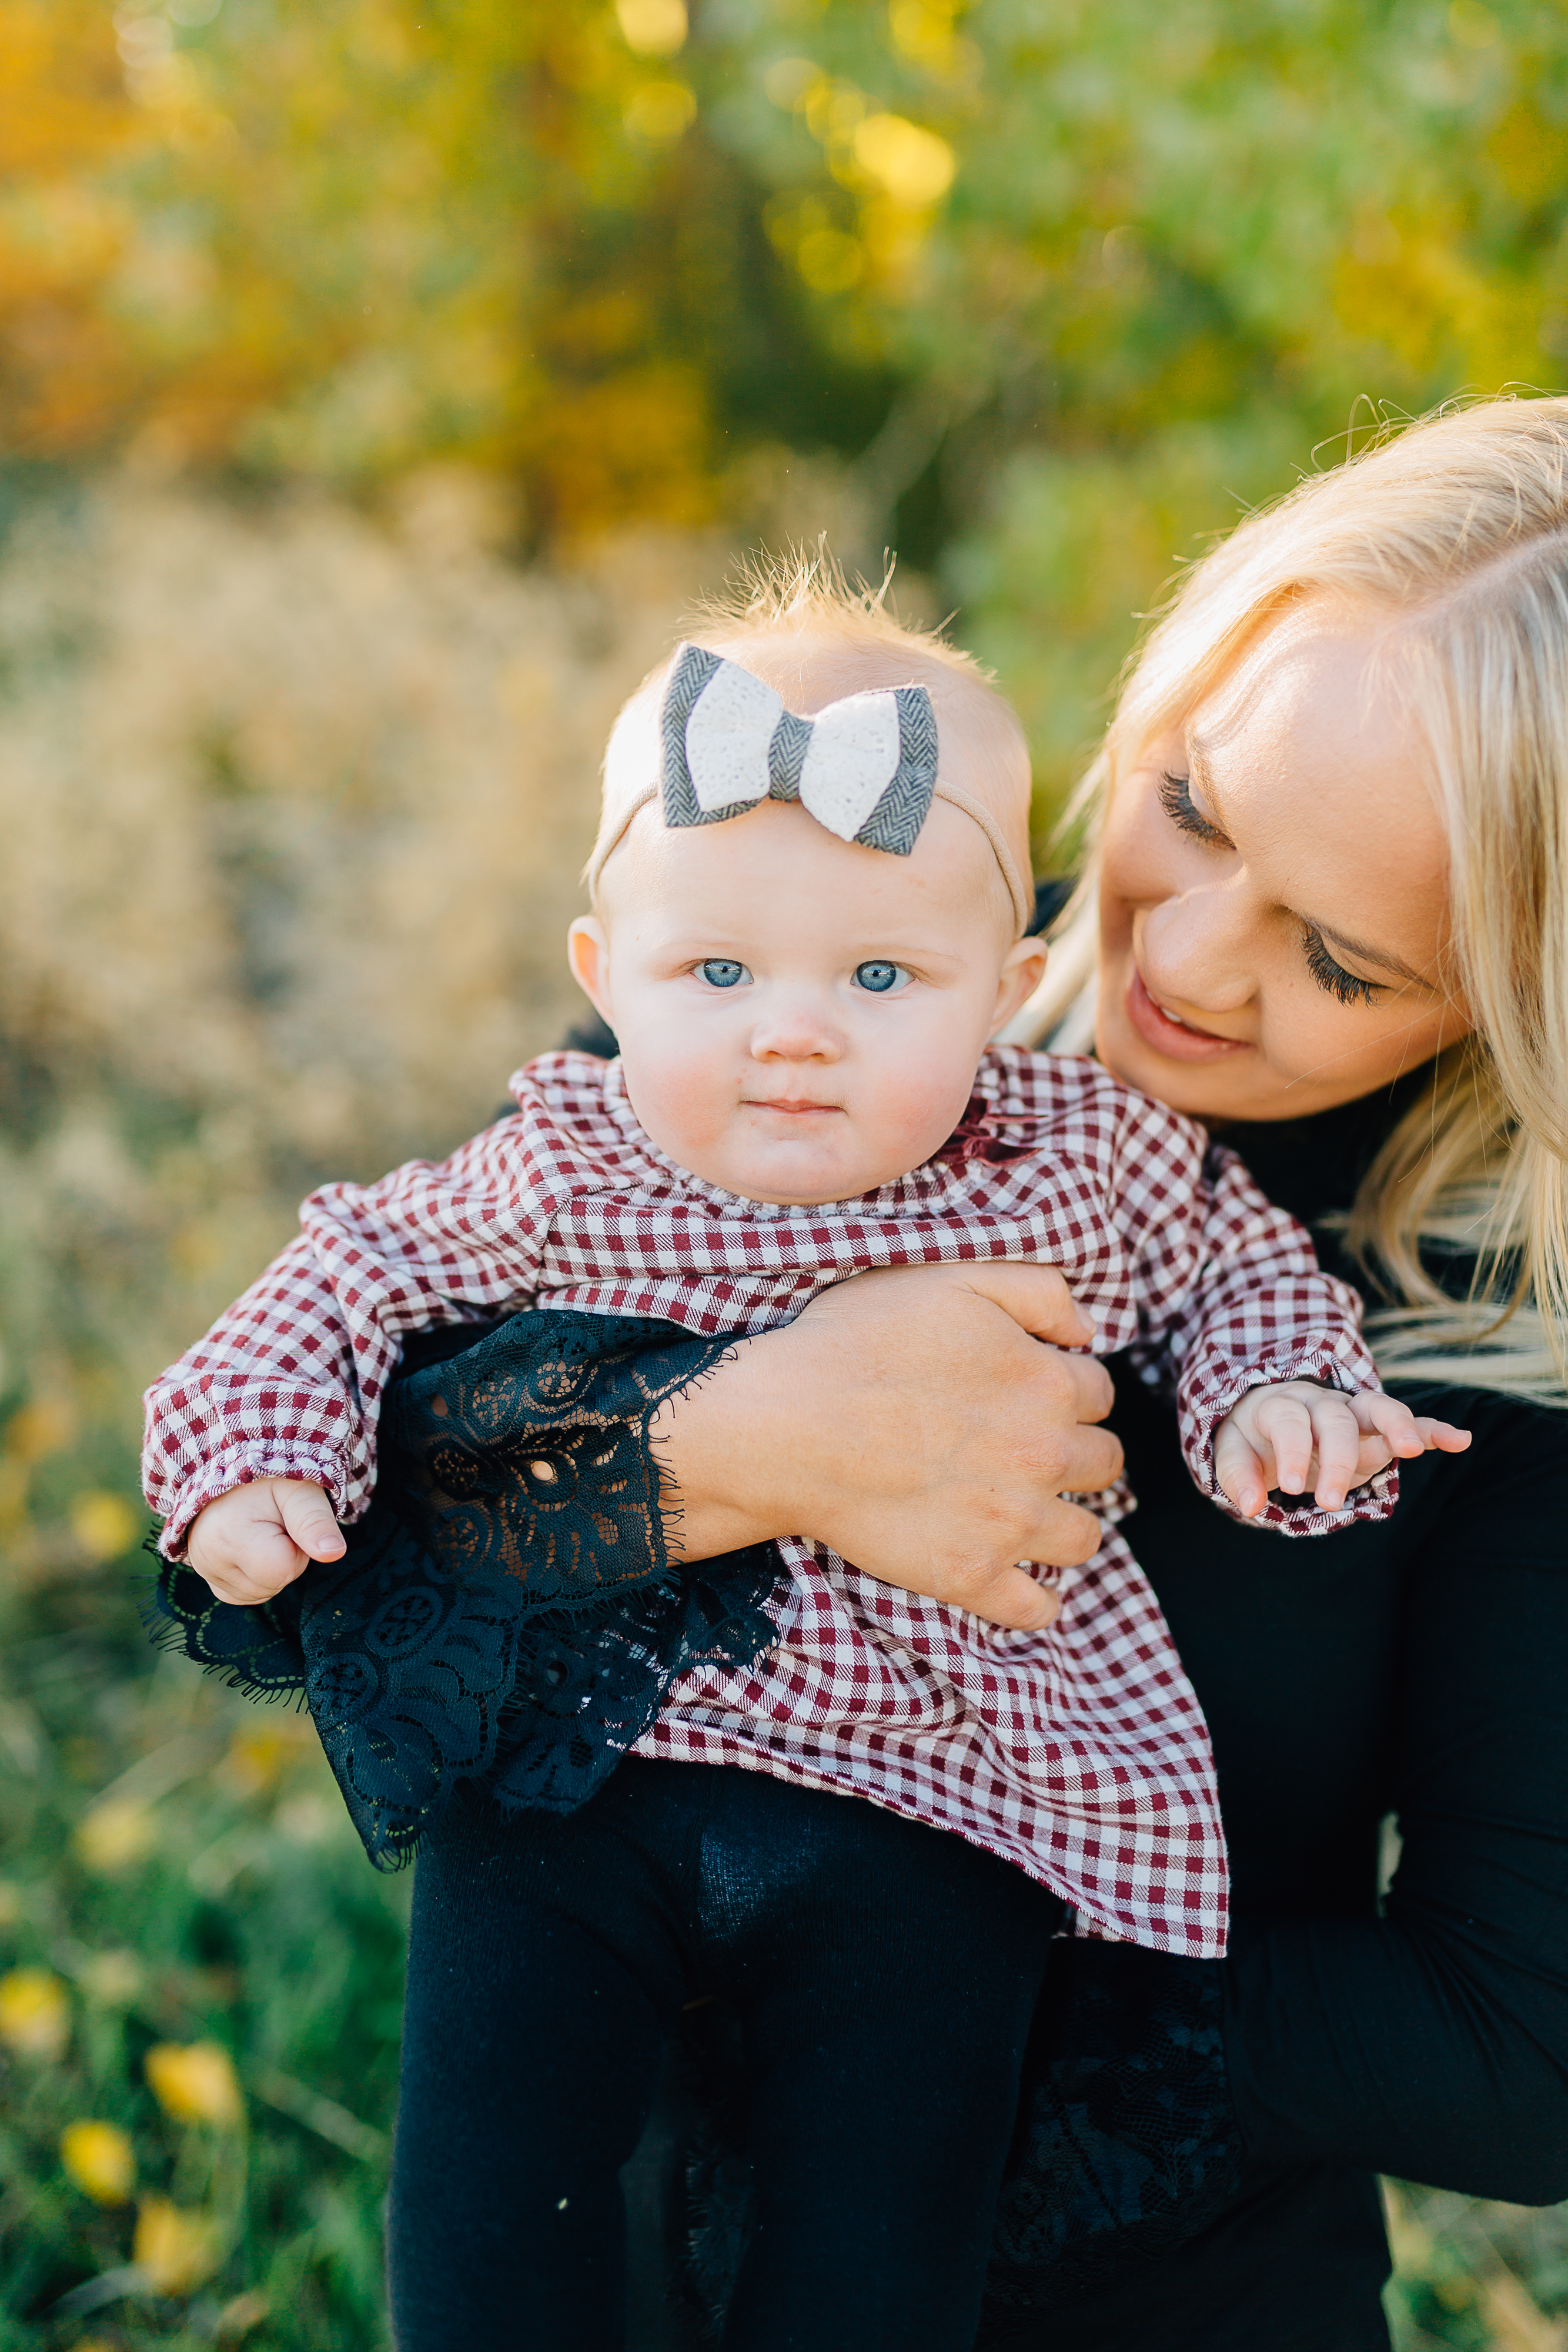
point(1170, 1036)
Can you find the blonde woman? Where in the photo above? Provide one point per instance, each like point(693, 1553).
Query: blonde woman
point(1327, 913)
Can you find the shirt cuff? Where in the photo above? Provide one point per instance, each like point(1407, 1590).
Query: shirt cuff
point(240, 1465)
point(1336, 1363)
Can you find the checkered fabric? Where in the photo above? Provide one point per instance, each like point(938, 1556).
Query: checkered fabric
point(1080, 1754)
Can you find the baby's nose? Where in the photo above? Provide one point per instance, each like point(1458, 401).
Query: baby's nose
point(795, 1033)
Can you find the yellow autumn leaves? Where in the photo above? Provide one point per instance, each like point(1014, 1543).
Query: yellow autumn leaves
point(897, 171)
point(651, 28)
point(911, 165)
point(178, 231)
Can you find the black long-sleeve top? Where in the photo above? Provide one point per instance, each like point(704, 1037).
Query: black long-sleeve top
point(1417, 1669)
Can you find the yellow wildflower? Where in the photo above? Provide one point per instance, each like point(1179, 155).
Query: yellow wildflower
point(113, 1977)
point(195, 2082)
point(177, 2248)
point(113, 1836)
point(257, 1759)
point(104, 1525)
point(100, 2159)
point(35, 2015)
point(41, 1429)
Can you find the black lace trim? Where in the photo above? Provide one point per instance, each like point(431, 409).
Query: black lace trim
point(1126, 2144)
point(1128, 2141)
point(507, 1611)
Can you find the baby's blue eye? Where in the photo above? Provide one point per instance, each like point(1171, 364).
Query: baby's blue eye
point(882, 979)
point(719, 972)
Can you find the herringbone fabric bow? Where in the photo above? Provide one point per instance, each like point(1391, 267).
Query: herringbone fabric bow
point(864, 767)
point(721, 741)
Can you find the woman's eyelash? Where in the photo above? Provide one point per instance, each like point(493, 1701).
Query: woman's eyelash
point(1175, 799)
point(1340, 983)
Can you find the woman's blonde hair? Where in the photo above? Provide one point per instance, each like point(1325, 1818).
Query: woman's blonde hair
point(1457, 528)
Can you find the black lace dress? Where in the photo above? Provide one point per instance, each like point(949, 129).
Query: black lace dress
point(507, 1611)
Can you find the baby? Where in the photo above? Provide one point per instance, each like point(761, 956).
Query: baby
point(810, 916)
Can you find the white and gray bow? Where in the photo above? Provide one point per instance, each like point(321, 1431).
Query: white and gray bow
point(864, 767)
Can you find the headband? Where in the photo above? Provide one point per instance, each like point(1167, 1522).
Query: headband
point(865, 768)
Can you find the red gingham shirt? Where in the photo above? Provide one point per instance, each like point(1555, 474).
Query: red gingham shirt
point(1079, 1753)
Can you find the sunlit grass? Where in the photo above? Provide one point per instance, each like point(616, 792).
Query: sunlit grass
point(198, 2008)
point(1485, 2276)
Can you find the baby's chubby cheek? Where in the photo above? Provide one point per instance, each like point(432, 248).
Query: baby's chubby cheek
point(910, 1109)
point(684, 1098)
point(692, 1103)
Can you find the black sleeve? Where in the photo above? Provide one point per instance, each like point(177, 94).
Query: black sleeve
point(1432, 2043)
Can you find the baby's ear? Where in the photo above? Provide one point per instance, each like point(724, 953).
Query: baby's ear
point(1022, 973)
point(588, 953)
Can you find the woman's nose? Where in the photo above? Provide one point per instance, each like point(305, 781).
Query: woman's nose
point(1192, 951)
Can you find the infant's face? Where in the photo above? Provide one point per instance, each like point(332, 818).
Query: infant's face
point(800, 1018)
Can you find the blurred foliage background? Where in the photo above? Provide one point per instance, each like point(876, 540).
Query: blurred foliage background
point(378, 378)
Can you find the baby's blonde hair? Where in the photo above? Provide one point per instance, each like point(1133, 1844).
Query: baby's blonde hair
point(807, 596)
point(822, 636)
point(1455, 530)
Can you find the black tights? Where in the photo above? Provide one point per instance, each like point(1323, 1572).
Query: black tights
point(884, 1974)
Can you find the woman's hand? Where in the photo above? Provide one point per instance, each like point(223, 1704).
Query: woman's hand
point(908, 1419)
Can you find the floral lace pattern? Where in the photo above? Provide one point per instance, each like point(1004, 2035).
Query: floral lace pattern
point(1127, 2140)
point(1126, 2144)
point(507, 1611)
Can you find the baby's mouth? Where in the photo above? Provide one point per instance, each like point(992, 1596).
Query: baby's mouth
point(784, 1103)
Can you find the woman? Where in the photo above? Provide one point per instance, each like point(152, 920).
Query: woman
point(1331, 902)
point(1328, 910)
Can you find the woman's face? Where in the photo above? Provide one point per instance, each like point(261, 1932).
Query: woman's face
point(1274, 888)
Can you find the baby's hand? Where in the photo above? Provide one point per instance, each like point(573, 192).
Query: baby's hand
point(252, 1541)
point(1292, 1434)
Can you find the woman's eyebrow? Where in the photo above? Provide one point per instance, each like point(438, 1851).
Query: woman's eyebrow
point(1200, 774)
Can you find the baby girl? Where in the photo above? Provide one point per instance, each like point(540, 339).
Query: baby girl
point(811, 916)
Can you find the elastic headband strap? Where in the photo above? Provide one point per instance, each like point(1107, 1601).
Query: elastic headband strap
point(1021, 892)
